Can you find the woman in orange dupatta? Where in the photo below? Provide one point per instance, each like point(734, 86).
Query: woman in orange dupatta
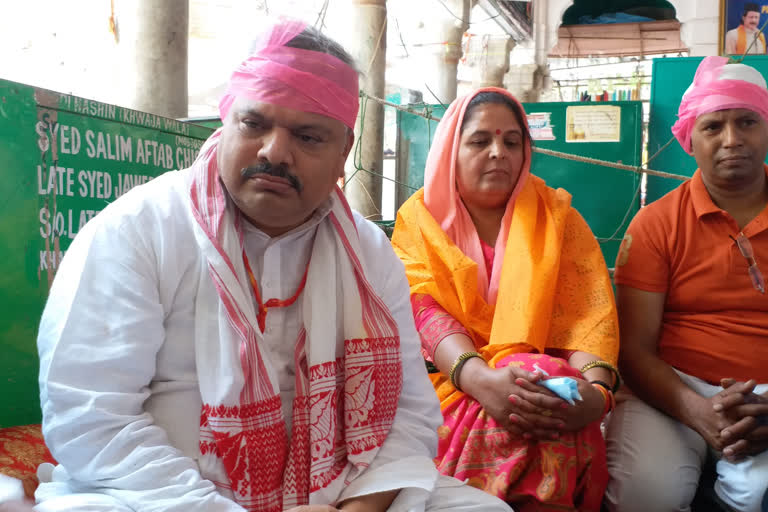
point(506, 275)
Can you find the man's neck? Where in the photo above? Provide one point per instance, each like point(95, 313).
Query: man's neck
point(744, 201)
point(277, 232)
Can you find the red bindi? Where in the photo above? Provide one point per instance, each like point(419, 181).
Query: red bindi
point(498, 132)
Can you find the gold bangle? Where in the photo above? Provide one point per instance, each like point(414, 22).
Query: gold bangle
point(608, 366)
point(458, 363)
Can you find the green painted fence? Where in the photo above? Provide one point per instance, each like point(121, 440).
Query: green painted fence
point(64, 159)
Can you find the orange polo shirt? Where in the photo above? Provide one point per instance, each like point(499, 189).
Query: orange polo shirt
point(715, 322)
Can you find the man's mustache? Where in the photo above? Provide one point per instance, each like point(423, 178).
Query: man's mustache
point(278, 171)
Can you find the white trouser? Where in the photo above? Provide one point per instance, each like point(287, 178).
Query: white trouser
point(655, 461)
point(449, 495)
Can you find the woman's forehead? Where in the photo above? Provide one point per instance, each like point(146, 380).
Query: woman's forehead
point(498, 115)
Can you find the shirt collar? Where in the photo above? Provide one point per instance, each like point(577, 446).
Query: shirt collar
point(702, 201)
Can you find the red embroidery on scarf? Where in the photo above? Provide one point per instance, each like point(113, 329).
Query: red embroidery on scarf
point(341, 418)
point(251, 442)
point(374, 380)
point(326, 430)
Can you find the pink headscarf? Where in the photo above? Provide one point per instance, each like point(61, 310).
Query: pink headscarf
point(442, 199)
point(298, 79)
point(719, 86)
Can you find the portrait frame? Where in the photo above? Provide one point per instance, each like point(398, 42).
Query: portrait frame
point(731, 12)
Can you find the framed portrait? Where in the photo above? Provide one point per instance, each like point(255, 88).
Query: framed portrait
point(740, 27)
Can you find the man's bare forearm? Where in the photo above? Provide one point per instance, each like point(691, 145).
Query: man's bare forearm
point(656, 382)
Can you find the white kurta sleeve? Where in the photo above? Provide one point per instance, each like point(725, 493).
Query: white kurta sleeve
point(100, 333)
point(404, 460)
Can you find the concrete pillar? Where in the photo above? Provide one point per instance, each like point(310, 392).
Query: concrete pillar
point(700, 30)
point(152, 46)
point(368, 38)
point(519, 80)
point(542, 42)
point(490, 60)
point(448, 31)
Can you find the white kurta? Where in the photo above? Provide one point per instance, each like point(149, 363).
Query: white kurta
point(119, 391)
point(287, 257)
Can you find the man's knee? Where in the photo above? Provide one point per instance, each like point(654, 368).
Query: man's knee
point(82, 503)
point(450, 495)
point(650, 488)
point(743, 487)
point(654, 462)
point(746, 500)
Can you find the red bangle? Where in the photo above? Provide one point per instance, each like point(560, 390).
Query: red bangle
point(609, 400)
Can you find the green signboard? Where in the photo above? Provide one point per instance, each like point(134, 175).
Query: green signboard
point(65, 159)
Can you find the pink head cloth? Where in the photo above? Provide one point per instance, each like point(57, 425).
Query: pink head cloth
point(293, 78)
point(442, 199)
point(718, 85)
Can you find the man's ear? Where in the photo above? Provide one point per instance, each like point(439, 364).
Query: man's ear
point(350, 143)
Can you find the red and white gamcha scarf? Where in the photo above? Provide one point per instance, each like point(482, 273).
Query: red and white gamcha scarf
point(348, 376)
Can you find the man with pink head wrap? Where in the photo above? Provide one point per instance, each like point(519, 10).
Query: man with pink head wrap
point(694, 313)
point(232, 336)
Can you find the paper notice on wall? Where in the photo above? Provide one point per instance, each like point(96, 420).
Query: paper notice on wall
point(540, 126)
point(593, 123)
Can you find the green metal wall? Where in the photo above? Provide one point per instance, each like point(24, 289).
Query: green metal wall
point(671, 78)
point(212, 122)
point(602, 195)
point(64, 159)
point(414, 140)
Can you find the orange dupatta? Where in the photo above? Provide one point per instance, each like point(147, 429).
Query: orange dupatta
point(554, 290)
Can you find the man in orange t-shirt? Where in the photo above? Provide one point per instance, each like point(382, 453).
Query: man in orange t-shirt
point(693, 311)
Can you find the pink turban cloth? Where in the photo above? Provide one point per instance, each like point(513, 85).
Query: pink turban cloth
point(719, 86)
point(304, 80)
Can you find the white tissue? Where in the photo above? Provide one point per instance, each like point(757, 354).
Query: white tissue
point(565, 387)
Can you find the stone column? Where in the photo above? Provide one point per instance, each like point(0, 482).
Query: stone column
point(447, 32)
point(368, 44)
point(519, 80)
point(490, 60)
point(152, 44)
point(542, 44)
